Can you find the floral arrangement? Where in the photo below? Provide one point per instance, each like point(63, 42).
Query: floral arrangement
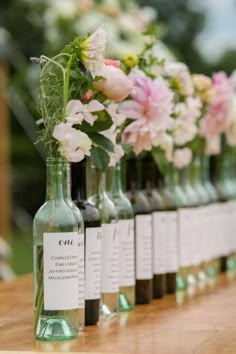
point(78, 91)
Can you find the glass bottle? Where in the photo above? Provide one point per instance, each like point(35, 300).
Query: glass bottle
point(55, 240)
point(171, 218)
point(225, 191)
point(93, 243)
point(109, 303)
point(143, 232)
point(81, 240)
point(158, 225)
point(213, 268)
point(193, 203)
point(196, 182)
point(172, 183)
point(126, 240)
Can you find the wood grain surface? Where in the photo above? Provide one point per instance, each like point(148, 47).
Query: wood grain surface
point(204, 324)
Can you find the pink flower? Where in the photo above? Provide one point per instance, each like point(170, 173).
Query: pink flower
point(76, 111)
point(150, 108)
point(182, 157)
point(115, 85)
point(215, 121)
point(115, 63)
point(74, 144)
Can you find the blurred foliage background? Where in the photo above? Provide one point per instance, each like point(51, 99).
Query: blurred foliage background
point(200, 33)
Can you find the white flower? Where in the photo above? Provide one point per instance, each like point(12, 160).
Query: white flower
point(117, 118)
point(180, 73)
point(118, 150)
point(165, 141)
point(74, 144)
point(76, 111)
point(93, 49)
point(213, 145)
point(182, 157)
point(184, 132)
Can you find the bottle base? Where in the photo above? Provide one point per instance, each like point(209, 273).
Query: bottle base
point(124, 304)
point(53, 329)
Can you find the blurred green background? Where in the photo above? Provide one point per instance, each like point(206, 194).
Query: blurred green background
point(200, 33)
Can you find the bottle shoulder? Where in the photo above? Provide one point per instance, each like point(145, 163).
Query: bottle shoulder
point(139, 202)
point(89, 212)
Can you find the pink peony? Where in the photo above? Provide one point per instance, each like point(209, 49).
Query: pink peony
point(215, 121)
point(115, 85)
point(151, 108)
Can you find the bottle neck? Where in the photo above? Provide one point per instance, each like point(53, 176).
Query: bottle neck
point(78, 181)
point(56, 178)
point(117, 185)
point(222, 168)
point(195, 170)
point(205, 169)
point(100, 184)
point(172, 176)
point(67, 188)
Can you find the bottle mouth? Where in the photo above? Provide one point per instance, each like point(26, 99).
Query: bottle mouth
point(56, 160)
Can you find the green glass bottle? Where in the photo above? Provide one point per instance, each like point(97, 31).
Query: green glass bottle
point(109, 303)
point(158, 227)
point(93, 242)
point(56, 261)
point(126, 240)
point(143, 232)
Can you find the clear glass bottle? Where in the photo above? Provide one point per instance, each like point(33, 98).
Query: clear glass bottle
point(170, 207)
point(81, 240)
point(159, 237)
point(93, 242)
point(126, 240)
point(225, 190)
point(55, 241)
point(143, 232)
point(214, 265)
point(109, 303)
point(193, 203)
point(173, 186)
point(196, 182)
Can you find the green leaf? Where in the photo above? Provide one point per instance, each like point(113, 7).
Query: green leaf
point(102, 141)
point(127, 148)
point(99, 158)
point(103, 122)
point(160, 159)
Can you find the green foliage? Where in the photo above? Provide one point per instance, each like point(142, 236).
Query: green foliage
point(101, 141)
point(160, 159)
point(99, 158)
point(103, 122)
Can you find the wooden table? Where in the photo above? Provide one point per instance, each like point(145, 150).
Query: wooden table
point(204, 324)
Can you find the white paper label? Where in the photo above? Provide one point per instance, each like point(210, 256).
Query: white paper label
point(110, 258)
point(93, 263)
point(81, 271)
point(143, 231)
point(172, 242)
point(160, 229)
point(61, 271)
point(185, 239)
point(126, 255)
